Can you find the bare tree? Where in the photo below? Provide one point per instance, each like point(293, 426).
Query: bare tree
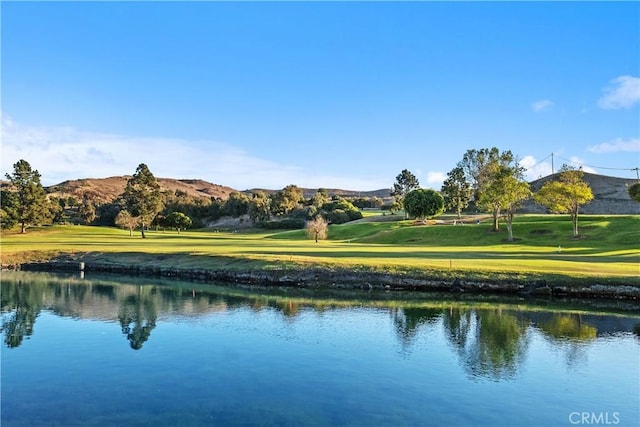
point(125, 220)
point(317, 228)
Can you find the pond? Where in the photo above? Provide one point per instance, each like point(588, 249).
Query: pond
point(117, 351)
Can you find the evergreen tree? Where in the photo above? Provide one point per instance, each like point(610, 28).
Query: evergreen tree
point(31, 202)
point(456, 191)
point(142, 196)
point(405, 182)
point(8, 209)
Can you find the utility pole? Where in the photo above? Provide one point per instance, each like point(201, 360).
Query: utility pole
point(552, 168)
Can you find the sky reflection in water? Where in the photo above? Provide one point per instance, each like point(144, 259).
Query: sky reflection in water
point(102, 352)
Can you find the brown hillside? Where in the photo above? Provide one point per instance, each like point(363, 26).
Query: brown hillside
point(610, 193)
point(107, 189)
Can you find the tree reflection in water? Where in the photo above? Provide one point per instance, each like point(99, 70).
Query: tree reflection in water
point(21, 305)
point(570, 332)
point(489, 342)
point(138, 316)
point(408, 321)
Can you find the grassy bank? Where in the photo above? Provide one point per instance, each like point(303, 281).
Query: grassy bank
point(607, 251)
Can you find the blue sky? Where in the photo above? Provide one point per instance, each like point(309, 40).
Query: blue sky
point(322, 94)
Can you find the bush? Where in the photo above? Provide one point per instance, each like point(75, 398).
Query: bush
point(423, 203)
point(340, 211)
point(337, 216)
point(285, 224)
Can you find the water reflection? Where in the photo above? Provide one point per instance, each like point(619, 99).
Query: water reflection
point(489, 340)
point(568, 326)
point(496, 346)
point(409, 321)
point(23, 303)
point(138, 316)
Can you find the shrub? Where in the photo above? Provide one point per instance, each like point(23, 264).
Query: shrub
point(285, 224)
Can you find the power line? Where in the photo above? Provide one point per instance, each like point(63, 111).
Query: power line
point(552, 155)
point(597, 167)
point(536, 164)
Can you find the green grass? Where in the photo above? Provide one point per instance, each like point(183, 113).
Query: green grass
point(607, 249)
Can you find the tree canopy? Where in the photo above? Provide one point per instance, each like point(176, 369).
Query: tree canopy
point(481, 167)
point(566, 194)
point(29, 206)
point(142, 196)
point(423, 203)
point(405, 182)
point(503, 193)
point(456, 191)
point(260, 206)
point(285, 200)
point(179, 221)
point(479, 164)
point(634, 191)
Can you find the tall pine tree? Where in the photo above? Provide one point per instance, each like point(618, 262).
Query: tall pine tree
point(31, 201)
point(142, 196)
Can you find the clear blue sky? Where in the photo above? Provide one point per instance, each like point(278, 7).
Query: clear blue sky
point(323, 94)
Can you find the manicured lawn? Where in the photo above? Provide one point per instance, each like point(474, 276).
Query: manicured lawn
point(608, 248)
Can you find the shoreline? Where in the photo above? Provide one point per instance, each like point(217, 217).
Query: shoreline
point(320, 277)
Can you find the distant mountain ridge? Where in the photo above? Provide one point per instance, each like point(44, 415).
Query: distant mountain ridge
point(105, 190)
point(610, 193)
point(309, 192)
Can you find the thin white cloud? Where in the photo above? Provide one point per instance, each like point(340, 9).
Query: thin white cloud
point(435, 179)
point(63, 153)
point(577, 162)
point(542, 105)
point(616, 146)
point(535, 169)
point(622, 92)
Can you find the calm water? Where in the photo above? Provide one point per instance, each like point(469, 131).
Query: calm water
point(114, 352)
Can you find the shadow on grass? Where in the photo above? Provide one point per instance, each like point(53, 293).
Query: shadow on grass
point(575, 255)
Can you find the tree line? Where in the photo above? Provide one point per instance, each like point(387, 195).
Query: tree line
point(494, 182)
point(143, 205)
point(491, 180)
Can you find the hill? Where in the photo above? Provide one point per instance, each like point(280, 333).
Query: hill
point(610, 195)
point(108, 189)
point(102, 190)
